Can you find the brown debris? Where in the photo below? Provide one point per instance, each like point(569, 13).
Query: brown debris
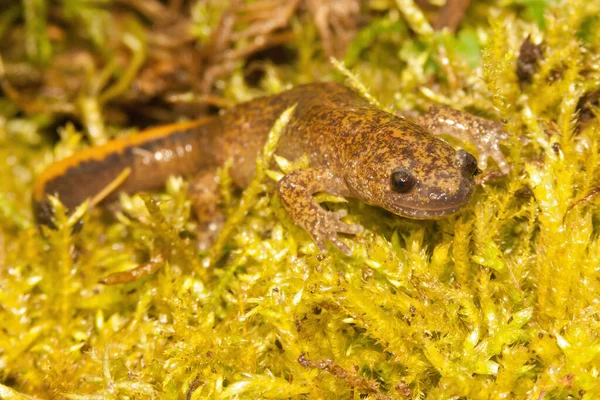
point(359, 383)
point(529, 56)
point(337, 23)
point(268, 26)
point(587, 106)
point(451, 14)
point(179, 73)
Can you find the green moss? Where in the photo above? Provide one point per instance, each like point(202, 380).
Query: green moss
point(500, 301)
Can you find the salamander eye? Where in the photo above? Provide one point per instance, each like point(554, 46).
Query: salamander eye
point(403, 181)
point(468, 163)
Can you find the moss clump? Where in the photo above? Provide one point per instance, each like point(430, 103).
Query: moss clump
point(500, 301)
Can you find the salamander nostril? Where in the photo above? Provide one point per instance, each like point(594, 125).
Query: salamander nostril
point(467, 163)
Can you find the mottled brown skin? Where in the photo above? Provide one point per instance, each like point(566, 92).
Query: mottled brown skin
point(485, 134)
point(353, 149)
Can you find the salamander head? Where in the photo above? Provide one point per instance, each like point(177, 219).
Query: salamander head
point(413, 174)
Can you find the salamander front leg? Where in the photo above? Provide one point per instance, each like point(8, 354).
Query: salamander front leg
point(485, 134)
point(296, 191)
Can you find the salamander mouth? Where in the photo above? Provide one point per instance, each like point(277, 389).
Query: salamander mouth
point(429, 213)
point(443, 207)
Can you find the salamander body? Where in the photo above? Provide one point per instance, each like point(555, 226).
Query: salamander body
point(354, 149)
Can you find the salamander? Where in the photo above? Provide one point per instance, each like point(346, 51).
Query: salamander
point(354, 150)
